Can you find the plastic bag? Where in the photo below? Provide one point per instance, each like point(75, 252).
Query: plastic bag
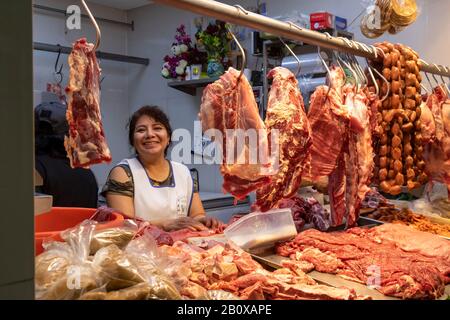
point(219, 295)
point(115, 269)
point(119, 236)
point(143, 252)
point(64, 271)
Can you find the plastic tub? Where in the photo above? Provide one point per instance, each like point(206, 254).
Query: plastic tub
point(262, 229)
point(49, 225)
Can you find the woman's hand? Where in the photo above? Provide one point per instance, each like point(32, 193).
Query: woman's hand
point(183, 223)
point(209, 222)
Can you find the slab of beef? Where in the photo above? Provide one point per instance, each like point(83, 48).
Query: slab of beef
point(435, 119)
point(86, 143)
point(307, 211)
point(328, 117)
point(359, 160)
point(379, 256)
point(228, 105)
point(286, 116)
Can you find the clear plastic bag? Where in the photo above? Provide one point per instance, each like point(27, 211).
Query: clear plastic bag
point(64, 271)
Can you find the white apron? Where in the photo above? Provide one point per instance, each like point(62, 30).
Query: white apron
point(166, 202)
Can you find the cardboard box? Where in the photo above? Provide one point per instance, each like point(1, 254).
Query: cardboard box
point(321, 20)
point(340, 23)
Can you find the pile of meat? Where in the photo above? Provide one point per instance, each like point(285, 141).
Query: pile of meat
point(86, 143)
point(399, 145)
point(396, 260)
point(435, 120)
point(220, 267)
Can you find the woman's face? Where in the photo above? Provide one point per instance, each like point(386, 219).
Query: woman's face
point(150, 137)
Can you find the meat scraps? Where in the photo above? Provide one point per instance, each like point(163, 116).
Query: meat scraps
point(229, 108)
point(86, 143)
point(285, 116)
point(307, 211)
point(397, 260)
point(221, 267)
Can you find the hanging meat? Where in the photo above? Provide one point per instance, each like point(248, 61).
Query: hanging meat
point(399, 149)
point(285, 114)
point(328, 118)
point(359, 162)
point(229, 107)
point(342, 123)
point(86, 143)
point(435, 120)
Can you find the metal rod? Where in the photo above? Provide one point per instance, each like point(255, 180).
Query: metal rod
point(37, 6)
point(101, 55)
point(282, 29)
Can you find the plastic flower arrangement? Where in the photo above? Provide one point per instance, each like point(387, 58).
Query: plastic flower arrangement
point(215, 39)
point(183, 54)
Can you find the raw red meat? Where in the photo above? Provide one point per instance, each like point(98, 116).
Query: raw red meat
point(328, 117)
point(359, 162)
point(86, 143)
point(437, 144)
point(285, 115)
point(307, 211)
point(402, 264)
point(229, 104)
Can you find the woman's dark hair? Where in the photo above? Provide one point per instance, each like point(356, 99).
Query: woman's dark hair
point(156, 114)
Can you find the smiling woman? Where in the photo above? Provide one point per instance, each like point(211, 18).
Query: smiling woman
point(149, 186)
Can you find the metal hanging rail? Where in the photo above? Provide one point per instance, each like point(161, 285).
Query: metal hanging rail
point(237, 15)
point(130, 25)
point(102, 55)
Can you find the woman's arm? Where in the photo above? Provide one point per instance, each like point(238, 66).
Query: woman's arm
point(198, 212)
point(196, 206)
point(122, 203)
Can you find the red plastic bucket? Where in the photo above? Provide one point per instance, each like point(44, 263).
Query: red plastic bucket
point(49, 225)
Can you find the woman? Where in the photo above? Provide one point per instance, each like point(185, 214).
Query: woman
point(149, 186)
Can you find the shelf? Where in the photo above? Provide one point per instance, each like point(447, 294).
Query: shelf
point(190, 86)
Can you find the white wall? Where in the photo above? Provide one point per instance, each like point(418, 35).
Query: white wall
point(50, 28)
point(155, 27)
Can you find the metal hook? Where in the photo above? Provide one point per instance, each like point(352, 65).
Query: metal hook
point(97, 29)
point(240, 8)
point(434, 76)
point(375, 83)
point(293, 24)
point(387, 82)
point(294, 55)
point(244, 58)
point(323, 61)
point(58, 72)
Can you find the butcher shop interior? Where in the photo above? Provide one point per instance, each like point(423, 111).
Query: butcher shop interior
point(225, 150)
